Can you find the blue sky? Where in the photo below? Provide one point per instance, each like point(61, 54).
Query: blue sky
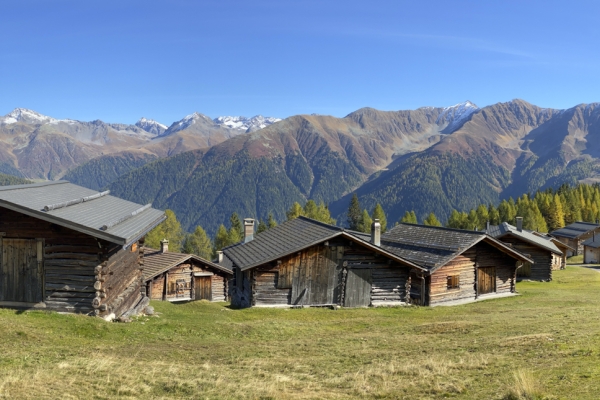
point(121, 60)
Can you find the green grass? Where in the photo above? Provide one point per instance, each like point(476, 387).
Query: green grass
point(575, 259)
point(542, 344)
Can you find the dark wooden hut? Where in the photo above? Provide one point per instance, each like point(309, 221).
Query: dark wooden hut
point(307, 263)
point(575, 234)
point(174, 276)
point(71, 249)
point(546, 254)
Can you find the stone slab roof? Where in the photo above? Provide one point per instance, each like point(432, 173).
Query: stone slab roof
point(505, 229)
point(157, 262)
point(575, 230)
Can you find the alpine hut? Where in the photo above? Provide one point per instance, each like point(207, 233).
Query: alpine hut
point(591, 250)
point(458, 265)
point(546, 254)
point(173, 276)
point(575, 234)
point(71, 249)
point(304, 262)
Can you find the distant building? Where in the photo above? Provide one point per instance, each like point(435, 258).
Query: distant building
point(546, 254)
point(575, 234)
point(71, 249)
point(304, 262)
point(174, 276)
point(591, 250)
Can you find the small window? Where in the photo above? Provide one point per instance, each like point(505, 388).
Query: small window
point(454, 282)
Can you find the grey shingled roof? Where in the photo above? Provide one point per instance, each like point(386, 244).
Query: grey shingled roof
point(432, 247)
point(504, 229)
point(575, 230)
point(87, 217)
point(157, 262)
point(290, 237)
point(593, 242)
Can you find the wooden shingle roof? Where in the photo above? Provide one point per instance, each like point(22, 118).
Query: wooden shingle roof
point(157, 262)
point(84, 210)
point(433, 247)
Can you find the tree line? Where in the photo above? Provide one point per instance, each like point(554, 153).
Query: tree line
point(544, 211)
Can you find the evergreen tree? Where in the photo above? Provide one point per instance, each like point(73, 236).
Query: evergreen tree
point(198, 243)
point(235, 224)
point(169, 229)
point(458, 220)
point(432, 220)
point(354, 213)
point(472, 221)
point(234, 236)
point(261, 226)
point(221, 238)
point(379, 214)
point(494, 215)
point(483, 216)
point(556, 219)
point(311, 210)
point(271, 223)
point(365, 222)
point(409, 218)
point(295, 211)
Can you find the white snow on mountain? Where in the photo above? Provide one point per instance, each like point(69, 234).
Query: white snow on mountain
point(23, 114)
point(455, 116)
point(246, 124)
point(151, 126)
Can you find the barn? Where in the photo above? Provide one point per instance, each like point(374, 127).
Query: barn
point(591, 250)
point(71, 249)
point(304, 262)
point(546, 254)
point(575, 234)
point(173, 276)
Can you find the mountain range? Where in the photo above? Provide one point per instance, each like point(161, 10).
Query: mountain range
point(431, 159)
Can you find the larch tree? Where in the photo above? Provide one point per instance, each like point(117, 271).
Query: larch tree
point(261, 226)
point(295, 211)
point(365, 222)
point(271, 223)
point(431, 220)
point(198, 243)
point(379, 214)
point(221, 238)
point(169, 229)
point(354, 213)
point(409, 218)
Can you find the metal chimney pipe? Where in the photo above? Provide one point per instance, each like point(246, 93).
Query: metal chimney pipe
point(376, 232)
point(520, 224)
point(219, 257)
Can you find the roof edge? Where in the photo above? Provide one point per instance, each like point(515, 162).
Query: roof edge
point(31, 185)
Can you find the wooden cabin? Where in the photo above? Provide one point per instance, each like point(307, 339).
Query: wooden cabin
point(308, 263)
point(71, 249)
point(542, 250)
point(174, 276)
point(460, 265)
point(575, 234)
point(591, 250)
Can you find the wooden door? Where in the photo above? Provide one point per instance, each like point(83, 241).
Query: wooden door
point(358, 288)
point(203, 288)
point(316, 277)
point(486, 280)
point(21, 275)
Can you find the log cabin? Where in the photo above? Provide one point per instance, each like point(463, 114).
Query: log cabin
point(71, 249)
point(575, 234)
point(172, 276)
point(546, 254)
point(461, 266)
point(591, 250)
point(304, 262)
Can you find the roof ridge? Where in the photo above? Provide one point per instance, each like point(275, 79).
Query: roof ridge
point(441, 228)
point(31, 185)
point(325, 224)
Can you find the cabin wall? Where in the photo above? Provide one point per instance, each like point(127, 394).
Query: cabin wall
point(120, 279)
point(157, 287)
point(489, 256)
point(462, 266)
point(541, 269)
point(219, 288)
point(558, 261)
point(574, 243)
point(179, 283)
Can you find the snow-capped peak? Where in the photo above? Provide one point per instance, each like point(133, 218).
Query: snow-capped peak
point(25, 115)
point(245, 124)
point(151, 126)
point(455, 116)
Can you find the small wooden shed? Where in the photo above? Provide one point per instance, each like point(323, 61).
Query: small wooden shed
point(174, 276)
point(546, 254)
point(71, 249)
point(308, 263)
point(575, 234)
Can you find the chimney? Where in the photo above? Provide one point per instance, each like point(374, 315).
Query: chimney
point(219, 257)
point(487, 227)
point(520, 224)
point(248, 229)
point(376, 232)
point(164, 246)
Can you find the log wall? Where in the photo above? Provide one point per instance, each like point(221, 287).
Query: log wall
point(157, 287)
point(463, 266)
point(541, 269)
point(489, 256)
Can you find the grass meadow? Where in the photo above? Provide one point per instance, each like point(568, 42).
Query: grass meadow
point(543, 344)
